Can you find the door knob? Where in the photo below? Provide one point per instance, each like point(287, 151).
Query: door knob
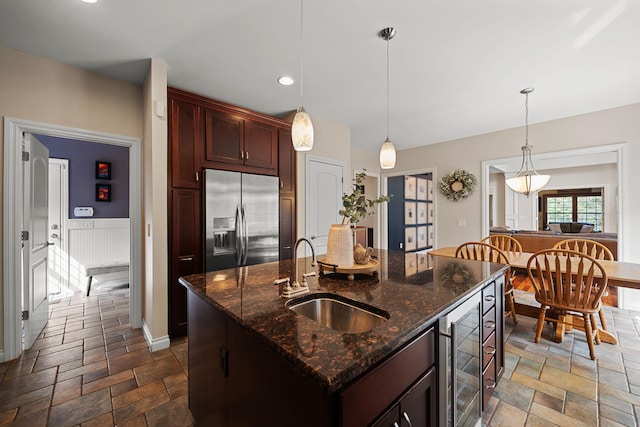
point(50, 243)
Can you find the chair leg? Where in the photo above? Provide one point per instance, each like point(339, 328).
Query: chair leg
point(603, 321)
point(89, 284)
point(540, 324)
point(589, 332)
point(596, 331)
point(512, 308)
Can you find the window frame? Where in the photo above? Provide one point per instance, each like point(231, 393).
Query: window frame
point(574, 194)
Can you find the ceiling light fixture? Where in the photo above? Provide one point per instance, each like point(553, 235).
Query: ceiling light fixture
point(387, 151)
point(90, 1)
point(285, 80)
point(527, 180)
point(301, 128)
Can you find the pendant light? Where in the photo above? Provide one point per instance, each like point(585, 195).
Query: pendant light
point(527, 179)
point(301, 128)
point(387, 151)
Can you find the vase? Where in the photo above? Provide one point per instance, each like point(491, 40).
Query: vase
point(340, 245)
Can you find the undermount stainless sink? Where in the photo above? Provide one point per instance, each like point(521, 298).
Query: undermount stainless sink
point(338, 313)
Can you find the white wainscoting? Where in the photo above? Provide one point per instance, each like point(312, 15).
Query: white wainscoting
point(97, 241)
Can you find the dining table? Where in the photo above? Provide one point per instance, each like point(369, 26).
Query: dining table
point(619, 273)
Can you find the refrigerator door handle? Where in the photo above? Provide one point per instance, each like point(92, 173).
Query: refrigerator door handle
point(245, 235)
point(238, 228)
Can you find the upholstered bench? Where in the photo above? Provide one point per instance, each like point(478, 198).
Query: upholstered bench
point(97, 269)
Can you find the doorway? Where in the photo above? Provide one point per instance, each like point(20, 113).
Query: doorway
point(14, 130)
point(58, 270)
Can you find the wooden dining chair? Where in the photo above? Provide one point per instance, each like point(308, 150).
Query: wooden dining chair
point(569, 282)
point(485, 252)
point(594, 249)
point(503, 242)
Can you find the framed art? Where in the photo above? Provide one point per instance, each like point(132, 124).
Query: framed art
point(410, 239)
point(430, 189)
point(421, 188)
point(423, 262)
point(410, 187)
point(422, 213)
point(410, 265)
point(430, 235)
point(409, 213)
point(430, 213)
point(103, 170)
point(103, 192)
point(421, 238)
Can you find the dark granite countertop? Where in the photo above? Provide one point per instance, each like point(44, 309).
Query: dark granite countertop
point(414, 289)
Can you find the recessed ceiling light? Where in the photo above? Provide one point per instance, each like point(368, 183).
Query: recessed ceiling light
point(285, 80)
point(90, 1)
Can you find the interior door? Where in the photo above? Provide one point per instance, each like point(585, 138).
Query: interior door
point(324, 199)
point(57, 258)
point(35, 244)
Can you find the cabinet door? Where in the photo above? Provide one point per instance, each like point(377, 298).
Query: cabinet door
point(418, 406)
point(185, 140)
point(208, 364)
point(186, 253)
point(261, 146)
point(224, 136)
point(286, 162)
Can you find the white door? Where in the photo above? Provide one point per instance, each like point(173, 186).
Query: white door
point(324, 199)
point(35, 244)
point(58, 269)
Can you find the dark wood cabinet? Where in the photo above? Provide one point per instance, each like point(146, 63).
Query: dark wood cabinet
point(185, 134)
point(288, 211)
point(204, 133)
point(208, 364)
point(185, 252)
point(417, 408)
point(233, 142)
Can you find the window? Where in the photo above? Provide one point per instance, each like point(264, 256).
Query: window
point(579, 205)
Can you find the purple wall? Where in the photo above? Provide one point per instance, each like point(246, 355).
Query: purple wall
point(82, 158)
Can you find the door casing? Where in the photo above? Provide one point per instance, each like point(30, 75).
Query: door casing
point(12, 175)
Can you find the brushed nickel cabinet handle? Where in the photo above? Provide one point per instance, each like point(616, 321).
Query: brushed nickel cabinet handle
point(183, 259)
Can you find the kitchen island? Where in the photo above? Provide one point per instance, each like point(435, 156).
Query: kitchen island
point(253, 361)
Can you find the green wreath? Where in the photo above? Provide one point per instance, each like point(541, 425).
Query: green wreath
point(457, 185)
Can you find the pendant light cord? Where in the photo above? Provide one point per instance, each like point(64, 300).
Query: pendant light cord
point(526, 119)
point(301, 50)
point(388, 88)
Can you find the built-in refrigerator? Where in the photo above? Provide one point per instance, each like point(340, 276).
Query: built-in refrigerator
point(241, 219)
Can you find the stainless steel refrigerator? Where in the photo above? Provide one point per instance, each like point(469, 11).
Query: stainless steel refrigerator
point(241, 219)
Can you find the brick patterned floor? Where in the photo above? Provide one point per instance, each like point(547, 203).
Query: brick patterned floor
point(89, 368)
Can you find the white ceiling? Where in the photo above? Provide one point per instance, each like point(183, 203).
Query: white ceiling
point(456, 66)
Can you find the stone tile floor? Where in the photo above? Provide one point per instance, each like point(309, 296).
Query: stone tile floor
point(557, 384)
point(89, 368)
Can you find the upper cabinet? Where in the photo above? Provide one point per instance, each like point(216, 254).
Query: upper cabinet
point(236, 143)
point(185, 136)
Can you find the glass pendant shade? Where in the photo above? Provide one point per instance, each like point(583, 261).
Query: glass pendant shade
point(302, 131)
point(526, 184)
point(387, 155)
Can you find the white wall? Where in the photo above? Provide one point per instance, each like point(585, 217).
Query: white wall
point(617, 125)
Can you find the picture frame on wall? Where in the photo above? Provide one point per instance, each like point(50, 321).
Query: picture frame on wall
point(421, 237)
point(410, 187)
point(422, 213)
point(410, 264)
point(423, 262)
point(410, 213)
point(103, 192)
point(430, 213)
point(430, 190)
point(103, 170)
point(421, 188)
point(410, 239)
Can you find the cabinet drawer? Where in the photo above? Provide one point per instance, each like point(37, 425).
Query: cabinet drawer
point(489, 381)
point(368, 397)
point(488, 297)
point(488, 323)
point(488, 350)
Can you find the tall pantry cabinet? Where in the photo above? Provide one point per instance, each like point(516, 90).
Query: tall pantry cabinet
point(204, 133)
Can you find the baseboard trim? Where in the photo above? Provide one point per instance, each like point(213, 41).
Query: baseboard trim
point(157, 343)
